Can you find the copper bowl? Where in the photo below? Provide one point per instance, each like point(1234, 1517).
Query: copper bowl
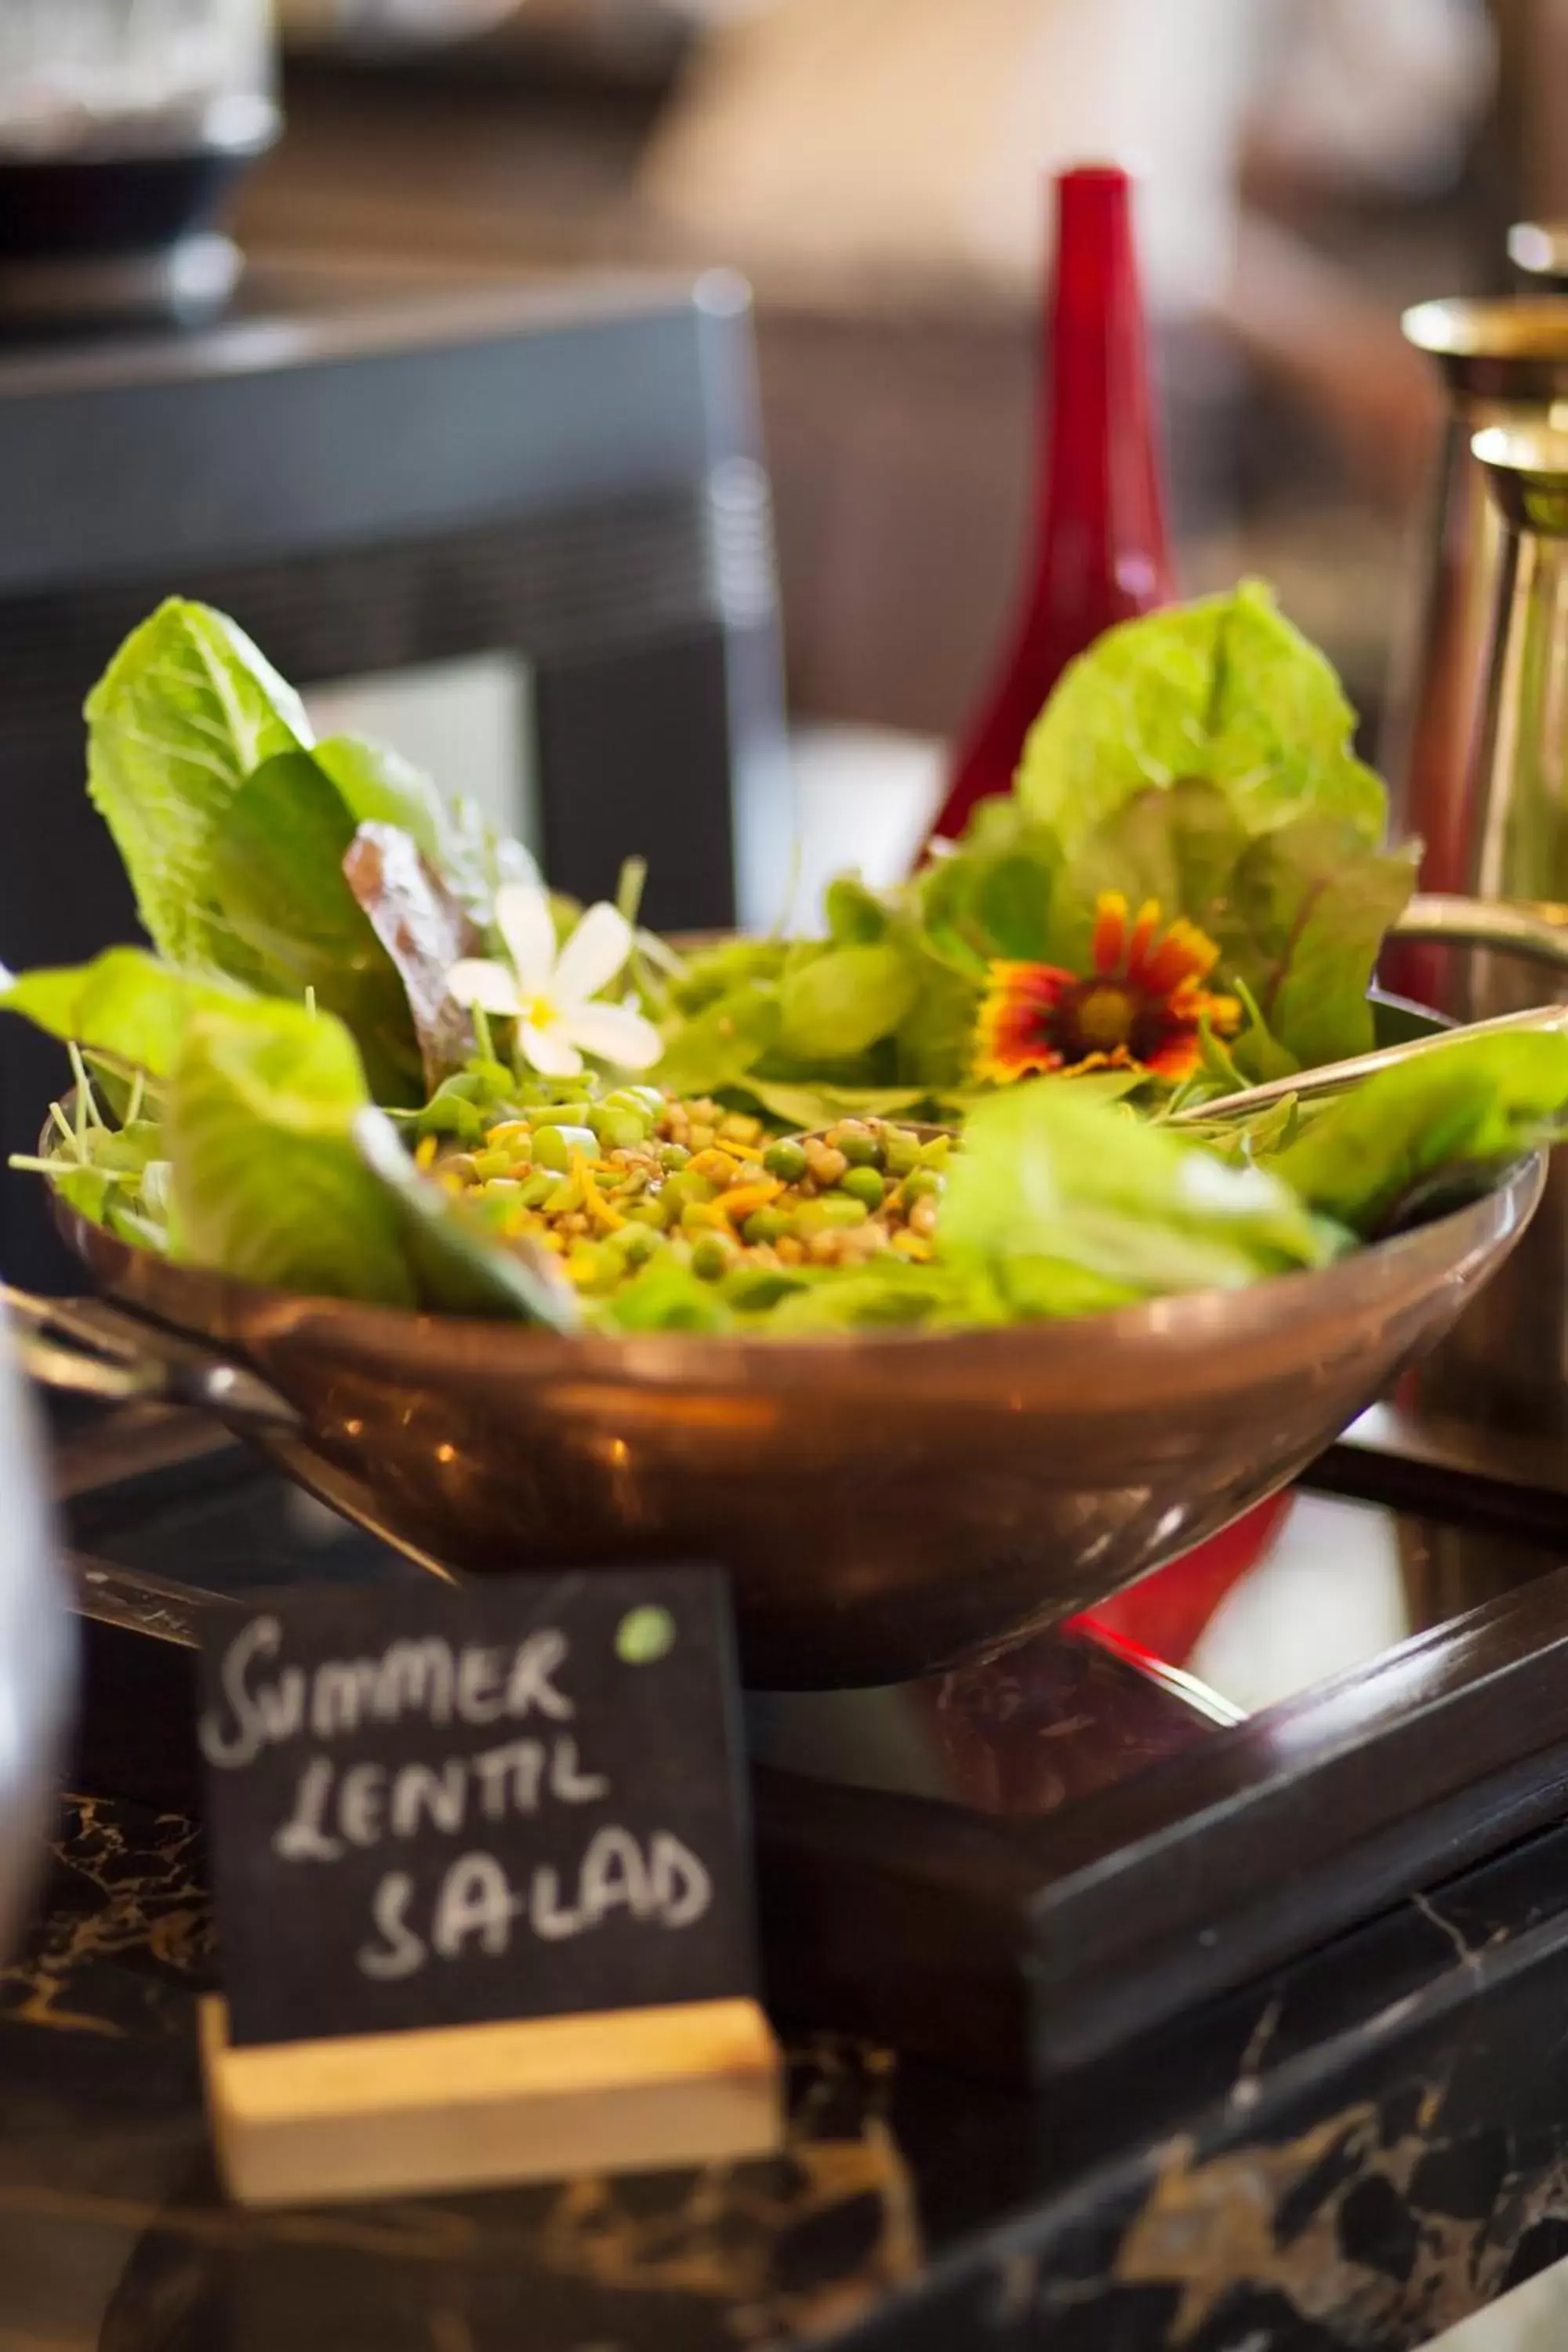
point(888, 1504)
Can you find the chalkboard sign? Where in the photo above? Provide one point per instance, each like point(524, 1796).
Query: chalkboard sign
point(436, 1806)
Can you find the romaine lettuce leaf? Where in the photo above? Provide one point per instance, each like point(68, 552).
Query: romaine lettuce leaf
point(1052, 1176)
point(378, 786)
point(268, 1182)
point(840, 1001)
point(1224, 689)
point(276, 860)
point(1311, 909)
point(1298, 913)
point(187, 709)
point(457, 1266)
point(719, 1045)
point(1429, 1130)
point(233, 823)
point(123, 1003)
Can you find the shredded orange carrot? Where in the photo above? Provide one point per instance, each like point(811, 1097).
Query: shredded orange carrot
point(738, 1203)
point(594, 1200)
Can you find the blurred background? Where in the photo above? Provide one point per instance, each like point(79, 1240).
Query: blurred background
point(874, 168)
point(1309, 166)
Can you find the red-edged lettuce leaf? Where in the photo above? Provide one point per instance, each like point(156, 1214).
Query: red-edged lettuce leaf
point(423, 930)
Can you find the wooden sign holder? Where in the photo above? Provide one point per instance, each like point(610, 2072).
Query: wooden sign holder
point(469, 2106)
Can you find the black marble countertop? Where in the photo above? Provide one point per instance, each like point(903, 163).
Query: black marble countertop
point(1353, 2154)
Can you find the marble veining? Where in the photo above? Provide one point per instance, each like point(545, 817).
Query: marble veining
point(1347, 2158)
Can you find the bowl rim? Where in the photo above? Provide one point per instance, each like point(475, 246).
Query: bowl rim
point(152, 1286)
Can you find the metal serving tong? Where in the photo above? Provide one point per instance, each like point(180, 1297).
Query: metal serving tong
point(1334, 1076)
point(86, 1347)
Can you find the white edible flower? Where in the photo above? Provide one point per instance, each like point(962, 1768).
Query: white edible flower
point(555, 997)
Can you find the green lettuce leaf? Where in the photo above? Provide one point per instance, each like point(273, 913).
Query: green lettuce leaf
point(268, 1181)
point(123, 1003)
point(1311, 909)
point(724, 968)
point(113, 1175)
point(1298, 913)
point(856, 917)
point(809, 1106)
point(1429, 1132)
point(1052, 1177)
point(187, 709)
point(378, 786)
point(832, 1006)
point(995, 894)
point(721, 1045)
point(1224, 689)
point(666, 1297)
point(275, 859)
point(458, 1268)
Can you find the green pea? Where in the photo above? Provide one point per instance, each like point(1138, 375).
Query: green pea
point(553, 1146)
point(654, 1213)
point(633, 1244)
point(787, 1160)
point(755, 1288)
point(673, 1155)
point(923, 1184)
point(863, 1184)
point(860, 1146)
point(765, 1225)
point(711, 1257)
point(617, 1130)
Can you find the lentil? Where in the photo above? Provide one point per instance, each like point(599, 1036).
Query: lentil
point(609, 1186)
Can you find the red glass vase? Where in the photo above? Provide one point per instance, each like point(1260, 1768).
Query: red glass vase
point(1100, 551)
